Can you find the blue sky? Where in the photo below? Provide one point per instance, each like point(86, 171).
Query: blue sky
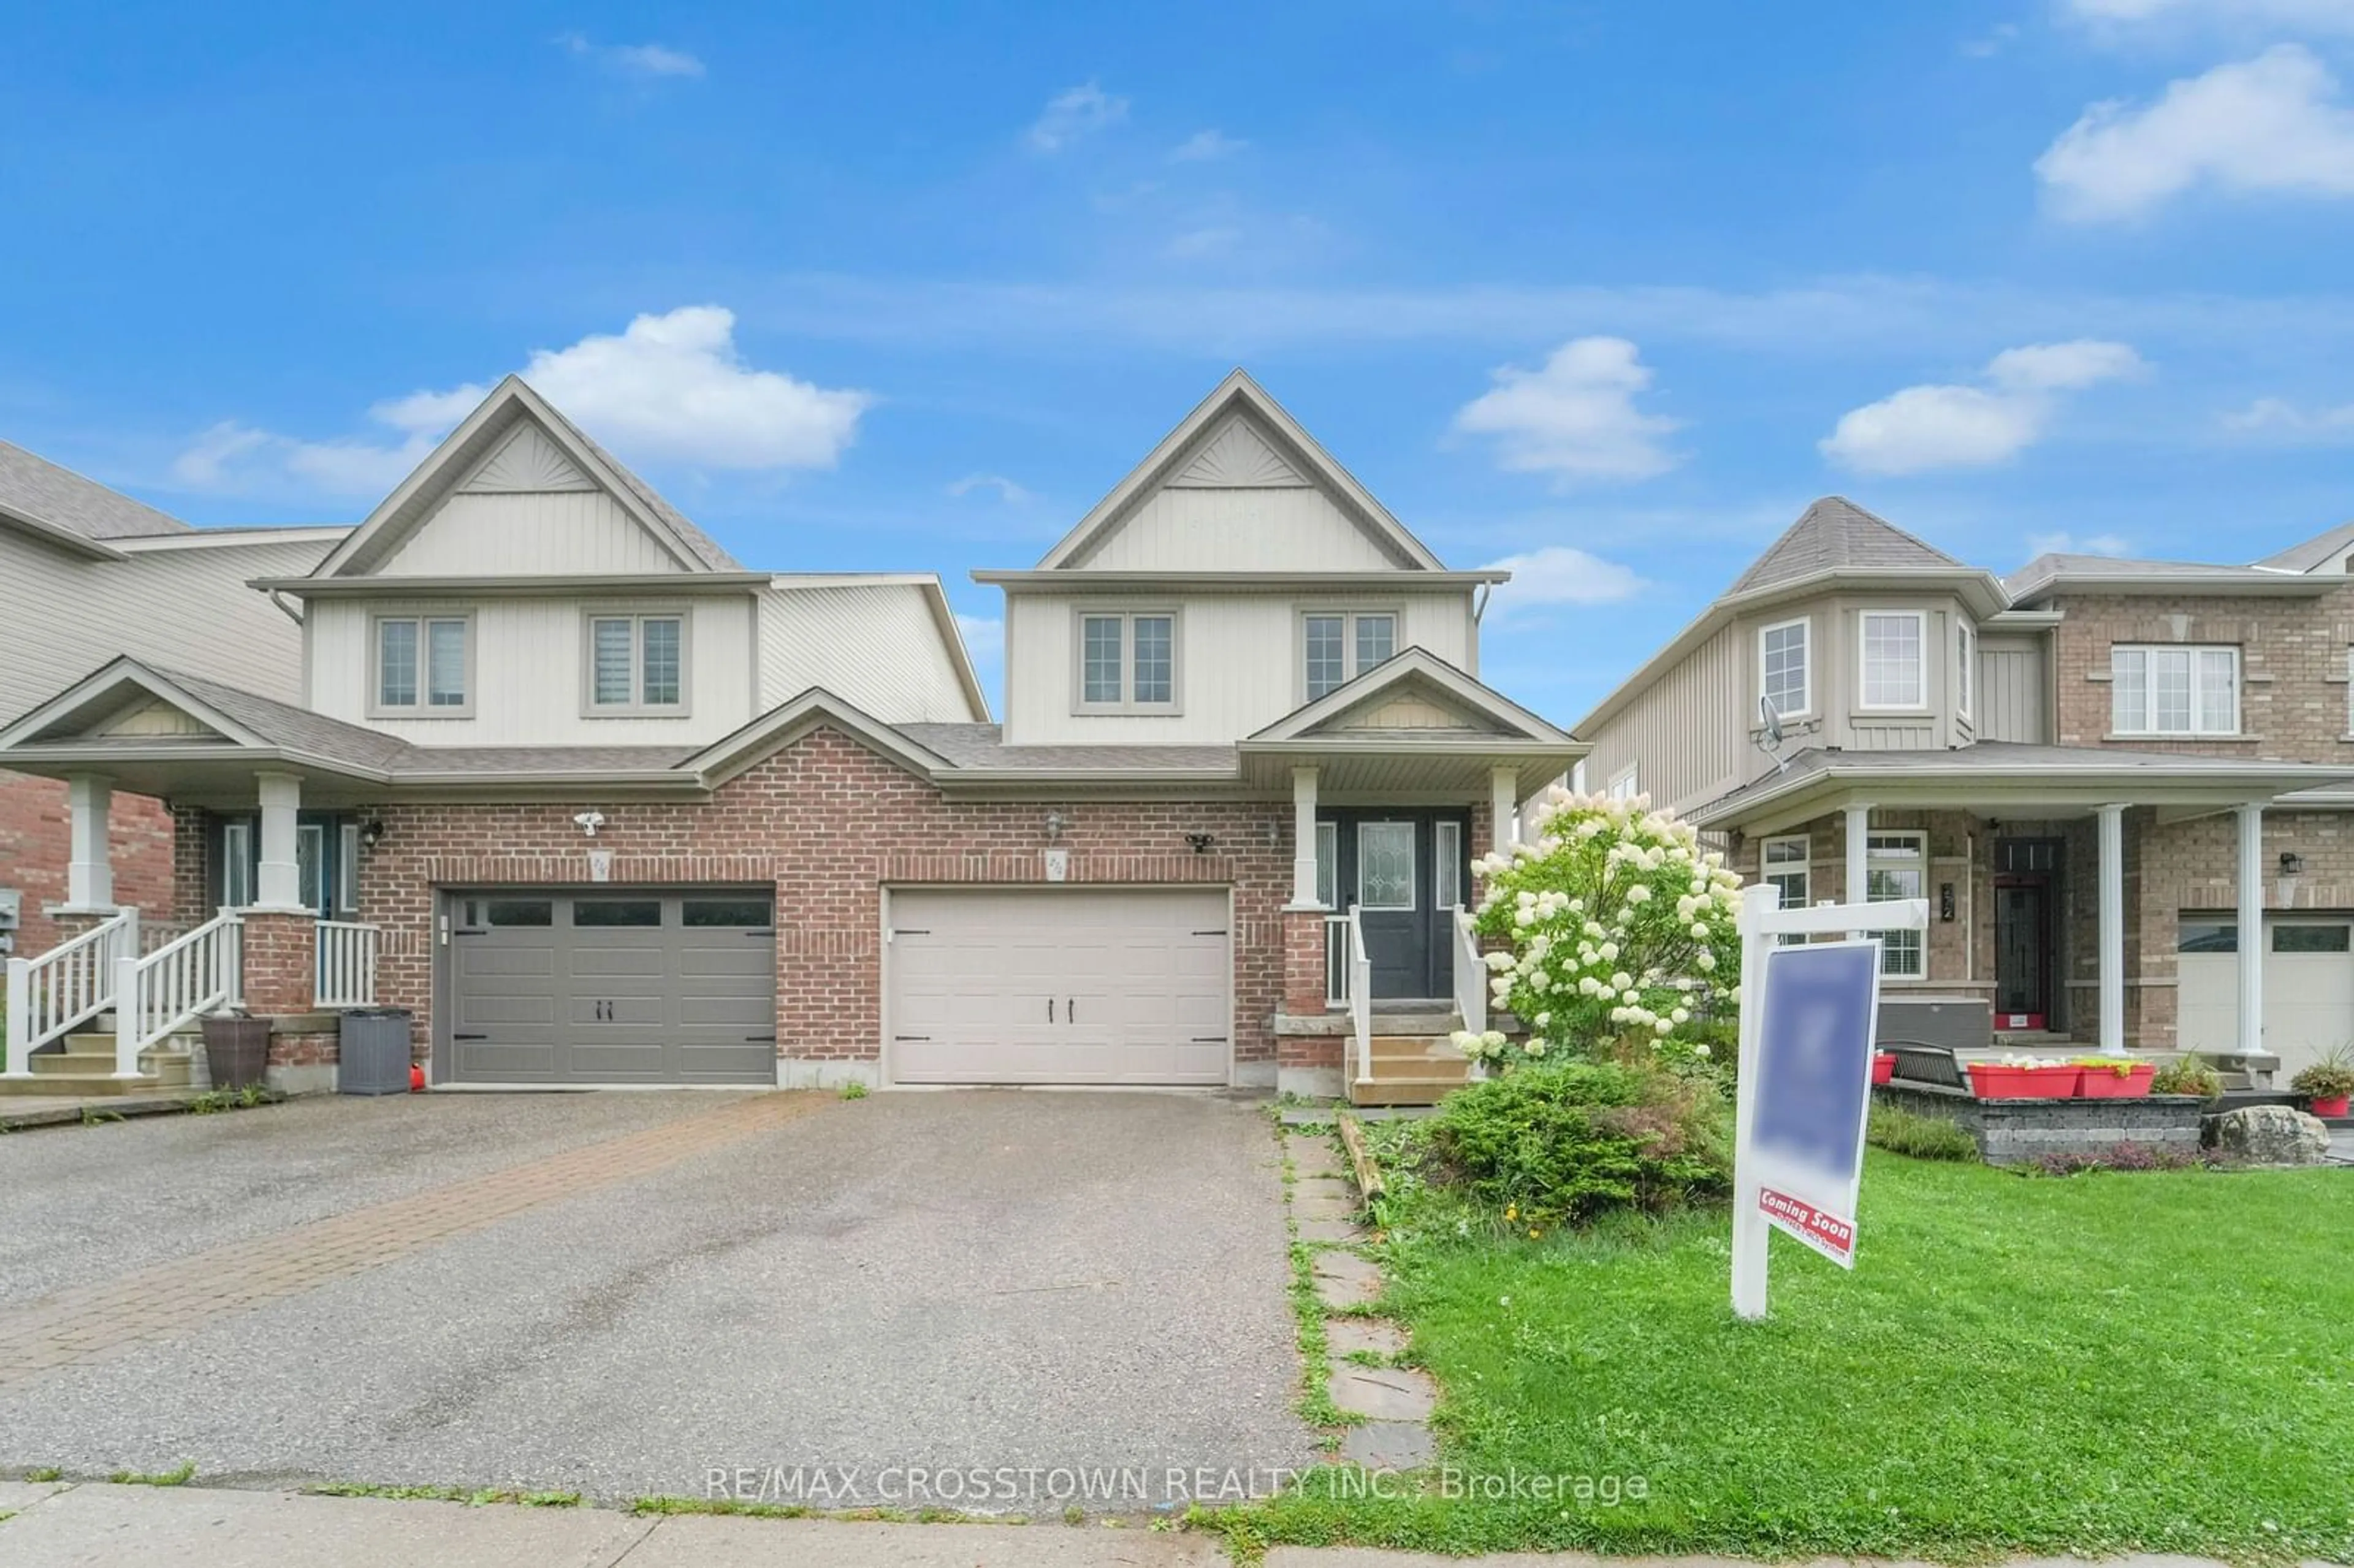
point(1617, 288)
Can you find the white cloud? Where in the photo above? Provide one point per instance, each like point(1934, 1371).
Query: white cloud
point(1078, 112)
point(1992, 42)
point(1007, 491)
point(670, 388)
point(633, 60)
point(984, 637)
point(2271, 125)
point(2319, 15)
point(2069, 545)
point(2278, 419)
point(1559, 574)
point(1206, 146)
point(1574, 417)
point(1943, 425)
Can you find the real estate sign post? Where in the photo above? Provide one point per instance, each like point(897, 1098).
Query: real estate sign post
point(1808, 1017)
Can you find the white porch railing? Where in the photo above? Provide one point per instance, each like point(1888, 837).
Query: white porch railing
point(174, 985)
point(1360, 1002)
point(1471, 973)
point(1336, 960)
point(346, 965)
point(69, 984)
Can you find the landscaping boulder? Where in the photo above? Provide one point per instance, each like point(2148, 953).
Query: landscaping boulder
point(2269, 1135)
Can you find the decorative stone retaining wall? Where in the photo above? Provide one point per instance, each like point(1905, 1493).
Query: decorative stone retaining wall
point(2013, 1132)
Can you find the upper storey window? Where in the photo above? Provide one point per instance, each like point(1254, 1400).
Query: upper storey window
point(1128, 662)
point(637, 665)
point(1337, 646)
point(424, 666)
point(2174, 690)
point(1892, 676)
point(1784, 667)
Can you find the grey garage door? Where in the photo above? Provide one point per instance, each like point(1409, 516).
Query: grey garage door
point(620, 987)
point(1060, 986)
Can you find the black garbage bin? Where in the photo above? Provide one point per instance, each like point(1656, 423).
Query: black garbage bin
point(237, 1050)
point(372, 1051)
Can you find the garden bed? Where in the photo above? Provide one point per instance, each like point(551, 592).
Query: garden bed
point(2020, 1131)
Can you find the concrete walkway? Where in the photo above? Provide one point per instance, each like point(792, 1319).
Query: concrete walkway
point(51, 1526)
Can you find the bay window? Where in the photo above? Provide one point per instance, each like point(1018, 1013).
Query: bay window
point(1785, 668)
point(1891, 646)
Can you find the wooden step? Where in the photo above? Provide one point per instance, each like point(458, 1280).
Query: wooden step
point(1414, 1048)
point(1420, 1090)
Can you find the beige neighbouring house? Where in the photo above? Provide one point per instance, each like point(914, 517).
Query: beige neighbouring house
point(2099, 772)
point(601, 806)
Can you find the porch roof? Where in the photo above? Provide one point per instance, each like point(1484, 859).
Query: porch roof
point(2006, 776)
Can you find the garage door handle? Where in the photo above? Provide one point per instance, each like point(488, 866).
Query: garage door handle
point(1050, 1010)
point(759, 1040)
point(470, 1037)
point(1071, 1011)
point(1218, 933)
point(911, 1037)
point(1209, 1039)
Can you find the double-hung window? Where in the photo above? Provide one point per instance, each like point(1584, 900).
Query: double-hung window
point(1895, 867)
point(637, 665)
point(1893, 677)
point(1783, 866)
point(2174, 690)
point(1337, 646)
point(1128, 661)
point(424, 666)
point(1784, 668)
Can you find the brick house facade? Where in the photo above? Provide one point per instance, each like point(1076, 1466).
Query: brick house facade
point(37, 839)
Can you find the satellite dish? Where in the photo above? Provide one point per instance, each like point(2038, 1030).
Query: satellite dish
point(1769, 719)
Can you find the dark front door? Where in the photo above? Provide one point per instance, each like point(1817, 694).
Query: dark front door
point(2022, 947)
point(1403, 872)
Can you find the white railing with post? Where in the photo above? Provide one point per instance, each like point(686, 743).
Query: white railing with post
point(346, 965)
point(1361, 1000)
point(1471, 973)
point(1336, 960)
point(174, 985)
point(69, 984)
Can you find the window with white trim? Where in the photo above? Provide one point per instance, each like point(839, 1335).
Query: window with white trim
point(637, 665)
point(1896, 867)
point(1782, 866)
point(1890, 643)
point(1337, 646)
point(237, 865)
point(1784, 667)
point(1328, 864)
point(1623, 783)
point(2174, 688)
point(1128, 661)
point(422, 665)
point(1966, 665)
point(348, 868)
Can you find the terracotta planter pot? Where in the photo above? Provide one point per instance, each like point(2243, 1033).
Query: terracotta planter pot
point(1992, 1081)
point(2100, 1083)
point(2330, 1108)
point(1883, 1066)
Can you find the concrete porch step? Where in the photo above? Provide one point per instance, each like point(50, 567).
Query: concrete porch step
point(1404, 1090)
point(168, 1069)
point(1414, 1047)
point(54, 1085)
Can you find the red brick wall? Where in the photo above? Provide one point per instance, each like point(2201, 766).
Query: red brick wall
point(36, 841)
point(281, 963)
point(828, 824)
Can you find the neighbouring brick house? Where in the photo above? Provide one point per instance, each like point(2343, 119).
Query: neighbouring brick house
point(2098, 771)
point(87, 573)
point(599, 805)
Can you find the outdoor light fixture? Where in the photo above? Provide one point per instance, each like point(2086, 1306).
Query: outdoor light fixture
point(372, 833)
point(590, 821)
point(1056, 823)
point(2291, 863)
point(1203, 843)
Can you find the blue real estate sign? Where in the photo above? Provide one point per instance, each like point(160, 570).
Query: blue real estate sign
point(1813, 1090)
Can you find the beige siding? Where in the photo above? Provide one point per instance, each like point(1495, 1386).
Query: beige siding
point(529, 659)
point(1688, 734)
point(1238, 530)
point(875, 645)
point(184, 608)
point(1239, 660)
point(2013, 676)
point(546, 534)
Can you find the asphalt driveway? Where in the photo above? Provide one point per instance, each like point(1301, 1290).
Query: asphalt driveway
point(622, 1294)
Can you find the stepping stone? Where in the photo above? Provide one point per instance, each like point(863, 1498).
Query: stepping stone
point(1389, 1445)
point(1383, 1393)
point(1345, 1279)
point(1315, 1157)
point(1336, 1205)
point(1338, 1232)
point(1345, 1336)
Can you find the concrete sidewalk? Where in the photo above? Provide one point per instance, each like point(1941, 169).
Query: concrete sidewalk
point(91, 1526)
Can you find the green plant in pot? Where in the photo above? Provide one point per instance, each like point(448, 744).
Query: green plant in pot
point(2188, 1075)
point(2327, 1083)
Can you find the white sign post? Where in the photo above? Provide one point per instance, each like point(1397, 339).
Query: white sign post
point(1807, 1018)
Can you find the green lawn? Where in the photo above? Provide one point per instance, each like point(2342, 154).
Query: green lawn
point(2158, 1361)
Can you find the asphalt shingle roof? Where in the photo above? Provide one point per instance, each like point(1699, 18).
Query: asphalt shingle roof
point(1836, 534)
point(2044, 570)
point(707, 549)
point(981, 748)
point(33, 486)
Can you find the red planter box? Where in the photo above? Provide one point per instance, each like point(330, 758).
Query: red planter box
point(2100, 1083)
point(2330, 1108)
point(1992, 1081)
point(1883, 1066)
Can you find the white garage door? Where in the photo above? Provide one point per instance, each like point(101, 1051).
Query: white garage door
point(1078, 986)
point(2309, 985)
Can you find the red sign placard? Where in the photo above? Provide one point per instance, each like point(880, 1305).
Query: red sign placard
point(1825, 1232)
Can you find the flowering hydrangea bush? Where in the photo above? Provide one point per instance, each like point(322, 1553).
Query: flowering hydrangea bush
point(1608, 927)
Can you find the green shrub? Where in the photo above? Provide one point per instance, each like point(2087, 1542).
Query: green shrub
point(1570, 1140)
point(1922, 1137)
point(2187, 1074)
point(2330, 1076)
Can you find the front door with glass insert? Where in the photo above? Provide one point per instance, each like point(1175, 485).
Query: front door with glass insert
point(1403, 871)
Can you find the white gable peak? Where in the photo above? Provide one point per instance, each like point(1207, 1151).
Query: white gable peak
point(528, 463)
point(1237, 457)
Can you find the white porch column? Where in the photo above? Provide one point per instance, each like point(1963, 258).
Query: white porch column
point(1859, 851)
point(90, 868)
point(1303, 840)
point(1503, 806)
point(2252, 926)
point(2112, 856)
point(280, 886)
